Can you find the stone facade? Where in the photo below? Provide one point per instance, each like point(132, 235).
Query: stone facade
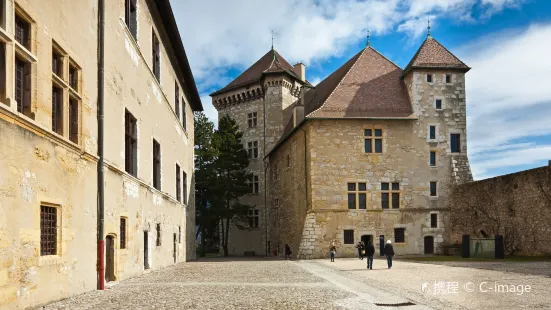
point(42, 168)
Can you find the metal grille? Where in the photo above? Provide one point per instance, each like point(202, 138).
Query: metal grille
point(348, 236)
point(399, 235)
point(19, 83)
point(123, 233)
point(48, 230)
point(73, 121)
point(21, 31)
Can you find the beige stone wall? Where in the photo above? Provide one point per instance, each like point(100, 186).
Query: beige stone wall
point(43, 167)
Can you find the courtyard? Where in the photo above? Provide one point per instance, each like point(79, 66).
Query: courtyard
point(239, 283)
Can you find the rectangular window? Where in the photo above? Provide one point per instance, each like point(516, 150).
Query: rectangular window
point(399, 235)
point(357, 195)
point(123, 233)
point(373, 140)
point(434, 220)
point(448, 78)
point(48, 230)
point(156, 165)
point(455, 143)
point(252, 119)
point(432, 132)
point(253, 217)
point(348, 236)
point(288, 161)
point(158, 234)
point(2, 70)
point(73, 120)
point(185, 187)
point(178, 184)
point(252, 149)
point(429, 78)
point(390, 196)
point(130, 17)
point(57, 110)
point(438, 104)
point(177, 99)
point(22, 31)
point(57, 63)
point(255, 184)
point(73, 77)
point(184, 120)
point(179, 234)
point(23, 86)
point(432, 159)
point(156, 57)
point(433, 192)
point(130, 144)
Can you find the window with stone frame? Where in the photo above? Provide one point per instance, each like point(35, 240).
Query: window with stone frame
point(348, 236)
point(74, 120)
point(357, 195)
point(455, 143)
point(74, 76)
point(178, 184)
point(390, 195)
point(22, 30)
point(156, 54)
point(130, 144)
point(252, 149)
point(158, 239)
point(438, 104)
point(255, 184)
point(48, 230)
point(131, 17)
point(3, 14)
point(184, 187)
point(433, 189)
point(179, 234)
point(156, 165)
point(253, 217)
point(429, 78)
point(123, 232)
point(448, 78)
point(177, 99)
point(57, 110)
point(432, 132)
point(373, 140)
point(2, 72)
point(252, 119)
point(399, 235)
point(434, 220)
point(184, 119)
point(23, 86)
point(57, 63)
point(432, 158)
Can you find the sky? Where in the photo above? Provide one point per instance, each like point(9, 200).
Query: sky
point(507, 43)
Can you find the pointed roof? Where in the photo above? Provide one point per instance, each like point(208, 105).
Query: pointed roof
point(433, 55)
point(366, 86)
point(271, 62)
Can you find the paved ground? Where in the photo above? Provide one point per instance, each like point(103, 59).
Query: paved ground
point(542, 268)
point(315, 284)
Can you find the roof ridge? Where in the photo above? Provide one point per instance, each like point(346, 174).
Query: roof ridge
point(339, 83)
point(449, 51)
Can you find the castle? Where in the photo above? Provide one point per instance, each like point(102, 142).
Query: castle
point(369, 154)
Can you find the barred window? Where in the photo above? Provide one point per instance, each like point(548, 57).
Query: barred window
point(48, 230)
point(348, 236)
point(373, 140)
point(399, 235)
point(123, 233)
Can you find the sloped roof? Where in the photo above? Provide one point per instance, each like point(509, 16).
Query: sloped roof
point(434, 55)
point(271, 62)
point(368, 85)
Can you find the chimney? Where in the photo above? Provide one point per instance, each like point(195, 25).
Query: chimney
point(300, 71)
point(298, 115)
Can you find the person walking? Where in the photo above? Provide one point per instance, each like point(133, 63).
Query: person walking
point(369, 252)
point(287, 251)
point(389, 253)
point(360, 248)
point(332, 252)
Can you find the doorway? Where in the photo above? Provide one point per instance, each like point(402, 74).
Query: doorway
point(429, 245)
point(145, 250)
point(366, 239)
point(382, 245)
point(175, 249)
point(110, 259)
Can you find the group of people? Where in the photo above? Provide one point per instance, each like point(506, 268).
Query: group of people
point(367, 250)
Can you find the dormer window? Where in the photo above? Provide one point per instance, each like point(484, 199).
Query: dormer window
point(429, 78)
point(448, 78)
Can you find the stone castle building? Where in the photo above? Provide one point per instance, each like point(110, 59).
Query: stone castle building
point(368, 154)
point(49, 90)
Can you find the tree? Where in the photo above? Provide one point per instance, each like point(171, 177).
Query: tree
point(231, 180)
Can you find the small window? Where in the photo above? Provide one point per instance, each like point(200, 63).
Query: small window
point(22, 31)
point(156, 165)
point(432, 159)
point(178, 184)
point(73, 120)
point(455, 143)
point(399, 235)
point(433, 192)
point(252, 119)
point(252, 149)
point(254, 218)
point(255, 184)
point(57, 63)
point(288, 160)
point(184, 119)
point(429, 78)
point(130, 17)
point(158, 234)
point(73, 77)
point(177, 99)
point(438, 104)
point(185, 187)
point(123, 233)
point(130, 144)
point(373, 140)
point(390, 196)
point(357, 195)
point(156, 57)
point(348, 236)
point(179, 234)
point(23, 86)
point(434, 220)
point(57, 110)
point(2, 70)
point(432, 132)
point(448, 78)
point(48, 230)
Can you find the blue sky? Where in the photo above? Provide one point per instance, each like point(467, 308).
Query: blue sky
point(506, 42)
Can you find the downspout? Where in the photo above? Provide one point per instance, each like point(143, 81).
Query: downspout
point(265, 169)
point(101, 189)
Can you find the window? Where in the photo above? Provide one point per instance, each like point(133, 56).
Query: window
point(158, 234)
point(177, 99)
point(348, 236)
point(255, 184)
point(288, 161)
point(185, 188)
point(179, 234)
point(130, 144)
point(130, 17)
point(438, 104)
point(178, 184)
point(399, 235)
point(156, 57)
point(252, 149)
point(57, 110)
point(253, 217)
point(184, 123)
point(432, 159)
point(432, 132)
point(22, 31)
point(2, 10)
point(455, 142)
point(252, 119)
point(73, 77)
point(123, 233)
point(23, 86)
point(434, 220)
point(390, 196)
point(433, 192)
point(429, 78)
point(73, 120)
point(373, 140)
point(2, 70)
point(448, 78)
point(156, 165)
point(48, 230)
point(57, 63)
point(357, 195)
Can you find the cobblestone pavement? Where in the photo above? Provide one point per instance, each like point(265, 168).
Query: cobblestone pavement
point(313, 284)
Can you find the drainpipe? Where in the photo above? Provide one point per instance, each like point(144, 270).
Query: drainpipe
point(101, 189)
point(265, 170)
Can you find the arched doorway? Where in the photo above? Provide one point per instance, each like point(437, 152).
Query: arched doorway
point(110, 258)
point(429, 245)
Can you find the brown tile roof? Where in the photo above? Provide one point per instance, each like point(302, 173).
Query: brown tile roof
point(368, 85)
point(271, 62)
point(434, 55)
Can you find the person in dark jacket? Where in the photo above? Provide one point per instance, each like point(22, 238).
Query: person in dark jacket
point(369, 252)
point(360, 248)
point(389, 253)
point(287, 251)
point(332, 252)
